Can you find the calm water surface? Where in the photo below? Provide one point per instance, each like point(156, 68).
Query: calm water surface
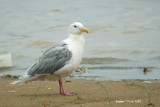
point(124, 34)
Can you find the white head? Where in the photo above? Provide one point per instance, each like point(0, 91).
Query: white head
point(77, 28)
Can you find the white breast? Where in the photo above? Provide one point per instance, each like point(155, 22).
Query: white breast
point(75, 44)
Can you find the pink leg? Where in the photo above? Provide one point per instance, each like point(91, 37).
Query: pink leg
point(61, 89)
point(60, 86)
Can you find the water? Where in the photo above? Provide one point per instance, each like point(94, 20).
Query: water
point(124, 37)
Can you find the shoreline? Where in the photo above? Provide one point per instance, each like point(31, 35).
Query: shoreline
point(85, 78)
point(88, 74)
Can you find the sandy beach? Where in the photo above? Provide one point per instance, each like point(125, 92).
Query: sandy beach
point(130, 93)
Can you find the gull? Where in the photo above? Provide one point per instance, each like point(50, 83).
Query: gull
point(60, 60)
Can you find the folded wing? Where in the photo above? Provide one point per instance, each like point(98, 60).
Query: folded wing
point(52, 60)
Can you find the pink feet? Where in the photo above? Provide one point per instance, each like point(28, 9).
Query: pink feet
point(62, 90)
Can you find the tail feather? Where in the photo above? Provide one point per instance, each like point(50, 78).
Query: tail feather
point(18, 81)
point(22, 80)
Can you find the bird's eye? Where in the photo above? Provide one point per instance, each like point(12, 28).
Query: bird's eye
point(75, 26)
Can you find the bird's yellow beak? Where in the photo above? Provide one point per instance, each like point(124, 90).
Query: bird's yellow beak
point(85, 30)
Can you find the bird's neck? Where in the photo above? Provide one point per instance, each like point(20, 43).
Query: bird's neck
point(75, 40)
point(75, 37)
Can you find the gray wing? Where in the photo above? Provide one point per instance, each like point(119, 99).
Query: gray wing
point(52, 60)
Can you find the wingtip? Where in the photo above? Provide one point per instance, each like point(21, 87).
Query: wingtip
point(14, 82)
point(17, 81)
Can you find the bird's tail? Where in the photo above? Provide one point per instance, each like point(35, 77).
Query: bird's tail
point(18, 81)
point(22, 80)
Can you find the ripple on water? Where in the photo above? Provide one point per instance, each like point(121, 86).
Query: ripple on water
point(136, 52)
point(130, 31)
point(157, 58)
point(21, 57)
point(40, 44)
point(104, 28)
point(103, 60)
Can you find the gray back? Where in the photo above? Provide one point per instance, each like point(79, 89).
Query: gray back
point(52, 60)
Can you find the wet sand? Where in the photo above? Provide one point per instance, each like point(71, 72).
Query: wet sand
point(136, 93)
